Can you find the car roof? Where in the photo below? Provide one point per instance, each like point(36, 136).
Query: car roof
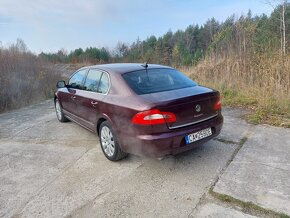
point(126, 67)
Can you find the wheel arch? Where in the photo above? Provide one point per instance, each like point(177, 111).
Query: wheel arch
point(102, 118)
point(56, 97)
point(100, 121)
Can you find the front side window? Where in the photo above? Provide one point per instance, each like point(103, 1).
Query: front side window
point(77, 79)
point(92, 80)
point(157, 80)
point(104, 84)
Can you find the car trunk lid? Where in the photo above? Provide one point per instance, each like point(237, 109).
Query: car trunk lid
point(190, 105)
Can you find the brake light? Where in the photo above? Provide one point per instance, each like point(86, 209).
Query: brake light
point(218, 104)
point(153, 117)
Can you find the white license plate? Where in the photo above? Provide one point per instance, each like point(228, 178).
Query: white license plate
point(198, 135)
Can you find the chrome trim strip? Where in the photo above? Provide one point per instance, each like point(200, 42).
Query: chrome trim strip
point(188, 124)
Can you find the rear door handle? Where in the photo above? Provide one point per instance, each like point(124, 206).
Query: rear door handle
point(73, 97)
point(94, 102)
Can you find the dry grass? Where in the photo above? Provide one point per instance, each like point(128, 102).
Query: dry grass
point(24, 79)
point(261, 83)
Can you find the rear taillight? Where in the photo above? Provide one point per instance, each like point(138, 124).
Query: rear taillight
point(153, 117)
point(218, 104)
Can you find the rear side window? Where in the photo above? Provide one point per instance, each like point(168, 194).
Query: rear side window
point(157, 80)
point(77, 79)
point(92, 80)
point(104, 84)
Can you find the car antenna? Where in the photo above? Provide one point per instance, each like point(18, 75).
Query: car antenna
point(146, 67)
point(146, 64)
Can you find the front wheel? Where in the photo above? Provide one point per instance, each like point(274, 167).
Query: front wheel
point(109, 143)
point(58, 110)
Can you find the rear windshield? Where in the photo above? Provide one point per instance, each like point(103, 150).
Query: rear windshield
point(156, 80)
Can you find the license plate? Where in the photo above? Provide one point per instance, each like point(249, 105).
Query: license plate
point(198, 135)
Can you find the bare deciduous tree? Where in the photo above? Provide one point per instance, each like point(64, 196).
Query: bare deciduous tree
point(283, 4)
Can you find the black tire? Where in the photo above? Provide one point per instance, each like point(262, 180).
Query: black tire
point(59, 113)
point(117, 154)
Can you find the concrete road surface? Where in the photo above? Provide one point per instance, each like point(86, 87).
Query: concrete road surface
point(53, 169)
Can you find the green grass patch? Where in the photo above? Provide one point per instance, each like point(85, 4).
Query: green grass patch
point(232, 97)
point(257, 116)
point(270, 117)
point(273, 112)
point(243, 140)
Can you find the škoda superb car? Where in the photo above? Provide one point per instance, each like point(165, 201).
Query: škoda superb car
point(142, 109)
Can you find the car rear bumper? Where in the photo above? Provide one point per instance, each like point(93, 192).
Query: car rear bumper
point(171, 142)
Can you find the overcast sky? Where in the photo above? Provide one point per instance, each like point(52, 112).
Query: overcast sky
point(49, 25)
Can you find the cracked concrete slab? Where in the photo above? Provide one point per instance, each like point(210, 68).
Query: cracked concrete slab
point(235, 128)
point(35, 149)
point(91, 177)
point(17, 121)
point(24, 169)
point(167, 188)
point(260, 173)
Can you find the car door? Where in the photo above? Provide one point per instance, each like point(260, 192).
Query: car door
point(69, 96)
point(95, 88)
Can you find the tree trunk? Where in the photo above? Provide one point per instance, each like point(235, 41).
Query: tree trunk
point(283, 27)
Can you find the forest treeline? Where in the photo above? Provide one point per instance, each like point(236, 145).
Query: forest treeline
point(240, 35)
point(79, 55)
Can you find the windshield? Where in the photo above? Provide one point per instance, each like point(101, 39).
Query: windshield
point(157, 80)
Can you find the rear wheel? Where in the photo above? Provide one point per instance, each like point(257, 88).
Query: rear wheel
point(58, 110)
point(109, 143)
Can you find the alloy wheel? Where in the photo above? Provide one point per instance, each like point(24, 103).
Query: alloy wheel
point(58, 110)
point(107, 141)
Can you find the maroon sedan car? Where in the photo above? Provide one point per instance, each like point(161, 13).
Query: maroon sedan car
point(142, 109)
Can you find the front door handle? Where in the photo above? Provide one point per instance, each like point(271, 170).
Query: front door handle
point(94, 102)
point(73, 97)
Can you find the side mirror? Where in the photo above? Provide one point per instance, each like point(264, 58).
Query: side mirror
point(60, 84)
